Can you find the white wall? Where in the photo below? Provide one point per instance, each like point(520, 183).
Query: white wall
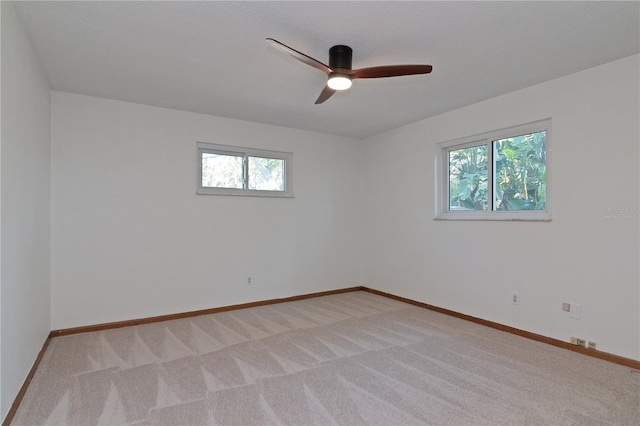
point(24, 211)
point(580, 256)
point(131, 239)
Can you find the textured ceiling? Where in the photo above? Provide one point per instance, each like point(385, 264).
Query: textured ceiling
point(211, 57)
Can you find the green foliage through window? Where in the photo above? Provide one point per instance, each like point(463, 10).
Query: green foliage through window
point(221, 171)
point(233, 170)
point(519, 174)
point(468, 178)
point(266, 174)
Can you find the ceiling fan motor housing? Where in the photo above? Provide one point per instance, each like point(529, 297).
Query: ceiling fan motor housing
point(340, 57)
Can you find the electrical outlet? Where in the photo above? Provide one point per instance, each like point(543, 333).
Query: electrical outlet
point(592, 345)
point(581, 342)
point(574, 340)
point(249, 281)
point(515, 298)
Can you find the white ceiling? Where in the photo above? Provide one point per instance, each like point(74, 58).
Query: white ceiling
point(211, 57)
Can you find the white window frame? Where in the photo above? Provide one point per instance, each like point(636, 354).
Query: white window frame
point(210, 148)
point(442, 210)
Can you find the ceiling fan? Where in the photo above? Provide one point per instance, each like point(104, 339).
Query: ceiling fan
point(339, 69)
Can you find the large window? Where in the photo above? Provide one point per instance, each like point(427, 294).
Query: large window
point(230, 170)
point(500, 175)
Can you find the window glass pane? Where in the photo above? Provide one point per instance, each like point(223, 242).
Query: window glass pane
point(520, 172)
point(221, 171)
point(468, 178)
point(266, 174)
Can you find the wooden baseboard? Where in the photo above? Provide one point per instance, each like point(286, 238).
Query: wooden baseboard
point(149, 320)
point(628, 362)
point(16, 402)
point(527, 334)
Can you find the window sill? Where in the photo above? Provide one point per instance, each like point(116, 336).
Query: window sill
point(244, 193)
point(542, 216)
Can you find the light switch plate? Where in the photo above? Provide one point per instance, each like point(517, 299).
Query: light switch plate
point(575, 311)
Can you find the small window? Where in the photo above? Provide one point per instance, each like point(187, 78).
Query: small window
point(500, 175)
point(230, 170)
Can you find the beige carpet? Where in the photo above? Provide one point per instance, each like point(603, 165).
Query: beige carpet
point(352, 359)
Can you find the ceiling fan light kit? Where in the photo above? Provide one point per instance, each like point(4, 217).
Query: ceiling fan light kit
point(339, 81)
point(339, 71)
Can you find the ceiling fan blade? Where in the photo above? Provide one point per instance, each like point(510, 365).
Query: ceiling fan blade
point(299, 55)
point(326, 93)
point(391, 71)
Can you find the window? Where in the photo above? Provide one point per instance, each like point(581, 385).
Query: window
point(229, 170)
point(500, 175)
